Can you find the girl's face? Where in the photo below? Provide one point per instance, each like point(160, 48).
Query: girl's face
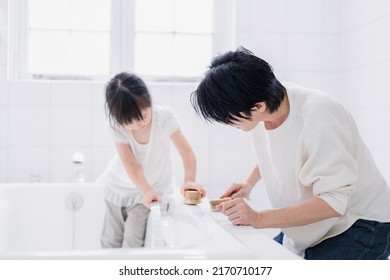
point(141, 124)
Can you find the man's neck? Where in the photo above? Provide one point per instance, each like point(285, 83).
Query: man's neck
point(279, 116)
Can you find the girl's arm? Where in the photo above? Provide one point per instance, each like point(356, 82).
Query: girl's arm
point(189, 162)
point(134, 171)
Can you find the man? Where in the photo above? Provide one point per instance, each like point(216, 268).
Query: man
point(328, 197)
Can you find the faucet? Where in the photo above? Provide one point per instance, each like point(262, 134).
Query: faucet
point(157, 233)
point(78, 160)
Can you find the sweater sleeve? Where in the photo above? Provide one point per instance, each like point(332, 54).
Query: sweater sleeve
point(328, 165)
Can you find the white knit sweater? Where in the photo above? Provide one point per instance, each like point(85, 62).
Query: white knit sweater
point(318, 152)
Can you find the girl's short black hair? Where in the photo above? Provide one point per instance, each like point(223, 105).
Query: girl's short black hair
point(233, 84)
point(126, 96)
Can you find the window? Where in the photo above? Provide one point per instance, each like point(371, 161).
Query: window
point(92, 39)
point(68, 37)
point(183, 32)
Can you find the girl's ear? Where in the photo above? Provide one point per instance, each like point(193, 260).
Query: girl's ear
point(260, 107)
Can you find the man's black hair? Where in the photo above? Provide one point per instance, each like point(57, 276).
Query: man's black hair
point(233, 84)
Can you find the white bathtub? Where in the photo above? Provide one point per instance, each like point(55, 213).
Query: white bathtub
point(64, 220)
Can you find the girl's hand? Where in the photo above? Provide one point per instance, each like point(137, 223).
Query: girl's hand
point(193, 186)
point(150, 196)
point(237, 190)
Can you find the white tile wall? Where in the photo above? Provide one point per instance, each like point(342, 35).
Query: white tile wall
point(24, 161)
point(3, 126)
point(381, 8)
point(3, 94)
point(347, 50)
point(364, 46)
point(306, 78)
point(229, 165)
point(341, 46)
point(365, 55)
point(3, 12)
point(382, 160)
point(181, 93)
point(331, 14)
point(29, 126)
point(3, 70)
point(29, 93)
point(74, 94)
point(100, 137)
point(331, 83)
point(331, 52)
point(224, 136)
point(381, 84)
point(362, 12)
point(242, 18)
point(381, 129)
point(98, 94)
point(70, 126)
point(267, 16)
point(304, 16)
point(3, 50)
point(365, 126)
point(197, 131)
point(364, 88)
point(3, 164)
point(381, 39)
point(347, 21)
point(271, 47)
point(304, 52)
point(161, 93)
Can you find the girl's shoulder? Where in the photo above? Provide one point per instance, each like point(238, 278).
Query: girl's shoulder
point(158, 108)
point(165, 116)
point(163, 111)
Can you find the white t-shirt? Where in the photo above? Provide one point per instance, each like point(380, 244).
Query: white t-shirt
point(154, 158)
point(318, 152)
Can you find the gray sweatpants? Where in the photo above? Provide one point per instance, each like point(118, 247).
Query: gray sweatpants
point(124, 226)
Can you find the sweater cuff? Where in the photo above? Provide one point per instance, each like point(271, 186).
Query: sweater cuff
point(339, 203)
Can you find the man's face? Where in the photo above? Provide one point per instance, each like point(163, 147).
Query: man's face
point(244, 124)
point(258, 113)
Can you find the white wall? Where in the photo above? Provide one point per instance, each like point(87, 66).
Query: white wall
point(337, 45)
point(300, 38)
point(365, 64)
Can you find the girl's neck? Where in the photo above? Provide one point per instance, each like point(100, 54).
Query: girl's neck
point(142, 136)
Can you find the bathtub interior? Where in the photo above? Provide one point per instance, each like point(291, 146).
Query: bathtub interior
point(65, 220)
point(51, 217)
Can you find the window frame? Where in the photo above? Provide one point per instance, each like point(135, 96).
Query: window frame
point(122, 47)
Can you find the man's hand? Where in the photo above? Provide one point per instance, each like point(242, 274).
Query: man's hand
point(239, 213)
point(237, 190)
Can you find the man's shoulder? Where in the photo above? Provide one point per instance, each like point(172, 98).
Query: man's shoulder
point(316, 107)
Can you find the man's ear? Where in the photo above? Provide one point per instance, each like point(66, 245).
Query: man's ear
point(260, 107)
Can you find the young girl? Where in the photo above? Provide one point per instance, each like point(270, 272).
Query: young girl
point(140, 172)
